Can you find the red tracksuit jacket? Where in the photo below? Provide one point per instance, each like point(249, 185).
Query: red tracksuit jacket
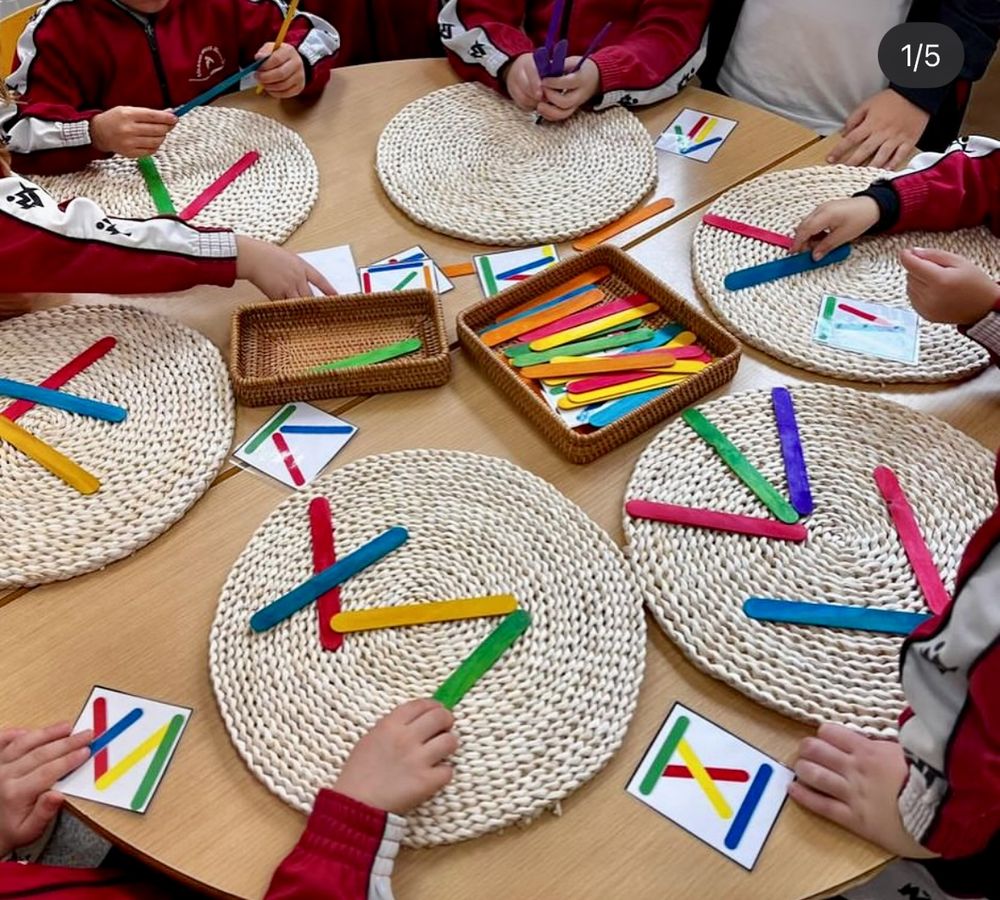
point(653, 49)
point(346, 853)
point(77, 58)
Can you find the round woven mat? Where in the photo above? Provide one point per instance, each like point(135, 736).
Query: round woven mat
point(467, 162)
point(545, 719)
point(779, 317)
point(268, 201)
point(152, 467)
point(696, 580)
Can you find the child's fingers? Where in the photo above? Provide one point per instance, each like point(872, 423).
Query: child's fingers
point(828, 807)
point(42, 777)
point(942, 258)
point(855, 119)
point(823, 753)
point(43, 812)
point(438, 749)
point(432, 723)
point(918, 268)
point(27, 741)
point(838, 235)
point(316, 277)
point(162, 117)
point(821, 779)
point(413, 709)
point(50, 751)
point(265, 50)
point(563, 82)
point(842, 738)
point(864, 151)
point(560, 100)
point(884, 154)
point(553, 113)
point(817, 222)
point(900, 157)
point(7, 736)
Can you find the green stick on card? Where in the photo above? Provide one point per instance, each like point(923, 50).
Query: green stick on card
point(662, 757)
point(378, 355)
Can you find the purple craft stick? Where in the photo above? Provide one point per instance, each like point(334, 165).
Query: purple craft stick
point(541, 58)
point(594, 46)
point(559, 59)
point(796, 472)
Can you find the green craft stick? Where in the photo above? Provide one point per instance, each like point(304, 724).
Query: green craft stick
point(157, 189)
point(159, 761)
point(269, 429)
point(829, 308)
point(491, 282)
point(591, 345)
point(405, 281)
point(482, 659)
point(516, 351)
point(661, 759)
point(378, 355)
point(741, 466)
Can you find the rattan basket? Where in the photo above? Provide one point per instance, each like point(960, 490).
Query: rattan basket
point(627, 277)
point(274, 345)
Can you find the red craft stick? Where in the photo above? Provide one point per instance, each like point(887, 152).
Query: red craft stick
point(707, 518)
point(860, 313)
point(100, 724)
point(587, 316)
point(219, 185)
point(750, 231)
point(60, 378)
point(324, 556)
point(697, 126)
point(737, 775)
point(599, 382)
point(289, 460)
point(917, 551)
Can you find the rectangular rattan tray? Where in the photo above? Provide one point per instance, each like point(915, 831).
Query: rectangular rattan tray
point(273, 346)
point(627, 277)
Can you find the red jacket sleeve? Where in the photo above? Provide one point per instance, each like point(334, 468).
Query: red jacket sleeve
point(481, 36)
point(346, 853)
point(17, 880)
point(76, 247)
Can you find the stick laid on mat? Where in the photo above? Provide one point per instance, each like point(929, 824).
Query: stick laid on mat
point(750, 231)
point(423, 613)
point(82, 406)
point(324, 553)
point(833, 615)
point(48, 457)
point(371, 357)
point(783, 268)
point(796, 473)
point(219, 185)
point(718, 521)
point(154, 184)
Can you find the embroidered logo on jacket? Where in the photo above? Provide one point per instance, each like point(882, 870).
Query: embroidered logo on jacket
point(210, 62)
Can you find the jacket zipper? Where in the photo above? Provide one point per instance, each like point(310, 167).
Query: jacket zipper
point(154, 49)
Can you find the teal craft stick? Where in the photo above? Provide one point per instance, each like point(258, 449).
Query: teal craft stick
point(220, 88)
point(157, 189)
point(591, 345)
point(569, 295)
point(741, 466)
point(833, 615)
point(482, 659)
point(667, 749)
point(332, 576)
point(615, 411)
point(867, 326)
point(405, 281)
point(782, 268)
point(93, 409)
point(371, 357)
point(660, 337)
point(270, 428)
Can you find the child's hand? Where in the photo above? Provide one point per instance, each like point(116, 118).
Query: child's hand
point(400, 763)
point(855, 781)
point(523, 82)
point(835, 223)
point(882, 132)
point(284, 73)
point(131, 130)
point(279, 274)
point(565, 95)
point(30, 763)
point(945, 287)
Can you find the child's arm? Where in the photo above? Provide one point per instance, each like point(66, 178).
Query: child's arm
point(350, 843)
point(482, 36)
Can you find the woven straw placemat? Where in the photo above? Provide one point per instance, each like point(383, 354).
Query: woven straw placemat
point(545, 719)
point(467, 162)
point(696, 580)
point(152, 467)
point(779, 317)
point(268, 201)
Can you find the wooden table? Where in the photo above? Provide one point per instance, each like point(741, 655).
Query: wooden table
point(142, 625)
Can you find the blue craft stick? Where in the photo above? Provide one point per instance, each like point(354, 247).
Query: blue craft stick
point(412, 262)
point(317, 429)
point(311, 590)
point(866, 326)
point(614, 411)
point(833, 615)
point(61, 400)
point(122, 725)
point(782, 268)
point(220, 88)
point(687, 151)
point(569, 295)
point(796, 473)
point(660, 337)
point(527, 267)
point(749, 806)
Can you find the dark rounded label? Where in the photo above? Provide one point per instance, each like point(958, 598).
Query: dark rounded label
point(921, 55)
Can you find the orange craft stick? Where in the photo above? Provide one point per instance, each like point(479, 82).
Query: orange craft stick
point(591, 276)
point(459, 269)
point(623, 224)
point(623, 362)
point(545, 317)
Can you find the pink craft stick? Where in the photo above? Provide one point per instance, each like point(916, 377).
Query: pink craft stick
point(324, 556)
point(917, 551)
point(750, 231)
point(718, 521)
point(219, 185)
point(599, 382)
point(585, 317)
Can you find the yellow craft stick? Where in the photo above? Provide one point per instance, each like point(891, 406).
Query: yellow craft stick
point(582, 331)
point(625, 362)
point(423, 613)
point(574, 401)
point(293, 8)
point(59, 465)
point(684, 339)
point(704, 780)
point(133, 759)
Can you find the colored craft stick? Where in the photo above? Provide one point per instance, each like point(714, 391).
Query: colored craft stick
point(600, 382)
point(458, 270)
point(48, 457)
point(482, 659)
point(129, 762)
point(736, 776)
point(593, 328)
point(663, 755)
point(424, 613)
point(666, 337)
point(679, 131)
point(706, 130)
point(593, 48)
point(527, 267)
point(750, 231)
point(622, 390)
point(551, 35)
point(219, 185)
point(405, 281)
point(318, 429)
point(694, 148)
point(270, 428)
point(307, 592)
point(567, 309)
point(413, 262)
point(160, 758)
point(623, 224)
point(717, 521)
point(282, 33)
point(538, 309)
point(585, 279)
point(325, 555)
point(594, 314)
point(516, 350)
point(120, 727)
point(371, 357)
point(748, 807)
point(581, 348)
point(782, 268)
point(100, 725)
point(492, 288)
point(93, 409)
point(154, 184)
point(719, 804)
point(796, 473)
point(860, 313)
point(223, 86)
point(288, 458)
point(867, 326)
point(833, 615)
point(697, 127)
point(917, 552)
point(623, 362)
point(740, 466)
point(63, 376)
point(621, 408)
